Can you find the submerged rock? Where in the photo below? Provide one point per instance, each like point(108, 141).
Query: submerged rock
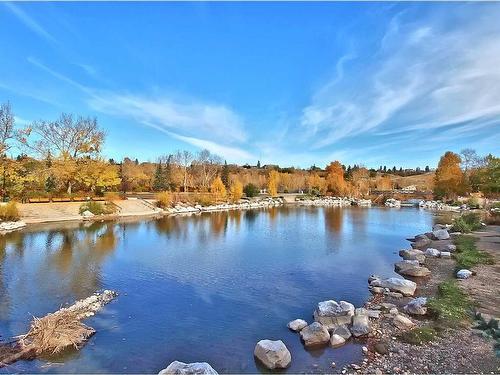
point(314, 334)
point(297, 324)
point(181, 368)
point(272, 354)
point(342, 331)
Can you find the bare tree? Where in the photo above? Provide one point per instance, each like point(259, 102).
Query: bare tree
point(64, 137)
point(207, 166)
point(184, 159)
point(6, 127)
point(470, 159)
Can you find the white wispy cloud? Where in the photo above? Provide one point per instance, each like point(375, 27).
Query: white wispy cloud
point(29, 22)
point(426, 75)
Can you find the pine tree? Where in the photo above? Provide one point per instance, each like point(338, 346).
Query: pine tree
point(225, 175)
point(168, 174)
point(427, 169)
point(258, 164)
point(50, 184)
point(159, 179)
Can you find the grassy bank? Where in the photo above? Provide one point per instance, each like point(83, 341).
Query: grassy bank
point(468, 255)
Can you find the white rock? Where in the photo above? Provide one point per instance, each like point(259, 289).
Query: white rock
point(272, 354)
point(342, 331)
point(331, 314)
point(451, 248)
point(297, 324)
point(416, 306)
point(360, 324)
point(403, 286)
point(432, 252)
point(181, 368)
point(445, 254)
point(464, 274)
point(441, 234)
point(336, 341)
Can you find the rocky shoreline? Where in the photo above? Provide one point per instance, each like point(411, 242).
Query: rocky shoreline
point(397, 308)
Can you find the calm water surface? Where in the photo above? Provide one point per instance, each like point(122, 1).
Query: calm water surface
point(199, 288)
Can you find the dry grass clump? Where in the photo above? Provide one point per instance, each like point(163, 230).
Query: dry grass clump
point(9, 212)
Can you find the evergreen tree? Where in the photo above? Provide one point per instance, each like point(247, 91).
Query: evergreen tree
point(427, 169)
point(50, 184)
point(385, 169)
point(225, 175)
point(258, 164)
point(168, 174)
point(159, 179)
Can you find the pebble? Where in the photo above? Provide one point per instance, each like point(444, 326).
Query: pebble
point(364, 349)
point(333, 364)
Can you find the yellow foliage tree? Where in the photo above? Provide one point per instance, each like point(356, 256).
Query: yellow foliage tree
point(236, 190)
point(272, 183)
point(449, 178)
point(97, 174)
point(218, 188)
point(335, 178)
point(384, 183)
point(315, 183)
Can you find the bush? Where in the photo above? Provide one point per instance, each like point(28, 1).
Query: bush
point(473, 203)
point(467, 223)
point(251, 190)
point(97, 208)
point(9, 212)
point(204, 199)
point(164, 199)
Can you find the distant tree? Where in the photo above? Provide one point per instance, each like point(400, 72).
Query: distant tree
point(236, 190)
point(258, 164)
point(489, 176)
point(169, 174)
point(159, 183)
point(50, 184)
point(218, 189)
point(427, 169)
point(272, 183)
point(335, 178)
point(6, 127)
point(184, 159)
point(225, 175)
point(251, 190)
point(449, 179)
point(385, 169)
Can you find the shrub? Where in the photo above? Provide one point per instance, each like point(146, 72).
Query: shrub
point(164, 199)
point(459, 225)
point(467, 223)
point(98, 208)
point(9, 212)
point(251, 190)
point(204, 199)
point(473, 203)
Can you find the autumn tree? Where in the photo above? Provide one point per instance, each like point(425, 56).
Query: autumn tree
point(206, 166)
point(272, 183)
point(236, 190)
point(360, 178)
point(225, 174)
point(96, 175)
point(218, 189)
point(384, 183)
point(315, 184)
point(449, 178)
point(335, 178)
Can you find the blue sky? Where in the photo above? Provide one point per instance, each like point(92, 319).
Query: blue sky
point(288, 83)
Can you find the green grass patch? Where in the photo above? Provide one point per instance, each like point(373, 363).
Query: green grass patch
point(467, 223)
point(468, 255)
point(98, 208)
point(451, 305)
point(419, 336)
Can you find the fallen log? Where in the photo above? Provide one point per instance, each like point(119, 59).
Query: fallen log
point(56, 331)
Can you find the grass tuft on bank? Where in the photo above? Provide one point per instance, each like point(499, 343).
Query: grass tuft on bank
point(468, 255)
point(467, 223)
point(451, 304)
point(419, 336)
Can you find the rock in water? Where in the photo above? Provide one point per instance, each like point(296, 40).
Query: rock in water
point(417, 306)
point(342, 331)
point(441, 234)
point(403, 286)
point(402, 322)
point(412, 254)
point(297, 324)
point(332, 314)
point(272, 354)
point(314, 334)
point(464, 274)
point(336, 341)
point(360, 323)
point(181, 368)
point(432, 252)
point(420, 241)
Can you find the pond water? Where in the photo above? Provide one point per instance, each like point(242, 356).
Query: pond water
point(199, 288)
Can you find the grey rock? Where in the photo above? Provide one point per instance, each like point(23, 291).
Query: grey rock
point(464, 274)
point(336, 341)
point(181, 368)
point(381, 348)
point(450, 248)
point(394, 284)
point(360, 324)
point(431, 252)
point(342, 331)
point(412, 254)
point(297, 324)
point(272, 354)
point(411, 270)
point(440, 234)
point(416, 306)
point(331, 314)
point(315, 334)
point(402, 322)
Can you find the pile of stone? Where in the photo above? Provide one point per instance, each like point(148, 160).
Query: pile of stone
point(438, 206)
point(325, 201)
point(391, 202)
point(184, 208)
point(10, 226)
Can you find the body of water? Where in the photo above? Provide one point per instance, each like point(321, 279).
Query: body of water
point(199, 288)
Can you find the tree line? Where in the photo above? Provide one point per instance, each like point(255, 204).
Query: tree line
point(64, 157)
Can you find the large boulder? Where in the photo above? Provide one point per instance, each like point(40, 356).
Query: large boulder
point(332, 314)
point(412, 254)
point(181, 368)
point(402, 322)
point(395, 284)
point(440, 234)
point(420, 241)
point(414, 271)
point(272, 354)
point(297, 324)
point(416, 306)
point(360, 323)
point(315, 334)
